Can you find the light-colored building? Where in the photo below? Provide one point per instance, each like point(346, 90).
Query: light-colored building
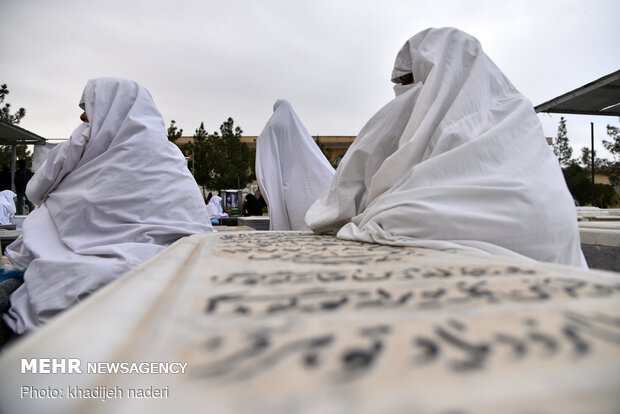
point(335, 145)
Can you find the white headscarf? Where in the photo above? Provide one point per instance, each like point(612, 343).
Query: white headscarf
point(110, 197)
point(457, 160)
point(292, 171)
point(7, 206)
point(214, 208)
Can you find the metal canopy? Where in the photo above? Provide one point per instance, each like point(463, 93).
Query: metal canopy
point(601, 97)
point(14, 135)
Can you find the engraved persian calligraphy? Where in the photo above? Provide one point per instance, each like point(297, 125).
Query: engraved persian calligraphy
point(286, 322)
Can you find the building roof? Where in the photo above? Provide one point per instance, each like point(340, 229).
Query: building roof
point(14, 135)
point(330, 141)
point(601, 97)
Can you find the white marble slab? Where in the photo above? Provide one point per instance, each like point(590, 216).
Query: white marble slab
point(285, 322)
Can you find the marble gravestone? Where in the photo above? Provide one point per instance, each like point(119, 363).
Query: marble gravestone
point(289, 322)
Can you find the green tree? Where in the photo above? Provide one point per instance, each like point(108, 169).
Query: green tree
point(220, 160)
point(229, 157)
point(579, 184)
point(174, 133)
point(21, 152)
point(605, 196)
point(613, 146)
point(561, 146)
point(586, 159)
point(612, 168)
point(6, 151)
point(5, 111)
point(197, 150)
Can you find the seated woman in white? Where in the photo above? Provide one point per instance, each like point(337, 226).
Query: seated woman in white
point(113, 195)
point(214, 207)
point(292, 171)
point(7, 206)
point(458, 160)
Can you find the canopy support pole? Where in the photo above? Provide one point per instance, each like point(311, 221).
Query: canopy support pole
point(592, 156)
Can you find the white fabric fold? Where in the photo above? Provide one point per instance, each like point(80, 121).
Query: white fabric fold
point(40, 154)
point(110, 197)
point(292, 171)
point(7, 206)
point(458, 160)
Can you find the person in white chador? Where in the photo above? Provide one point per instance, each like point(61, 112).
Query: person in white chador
point(458, 160)
point(7, 206)
point(214, 207)
point(113, 195)
point(292, 171)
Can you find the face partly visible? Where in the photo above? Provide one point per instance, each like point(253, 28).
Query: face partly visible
point(406, 79)
point(83, 117)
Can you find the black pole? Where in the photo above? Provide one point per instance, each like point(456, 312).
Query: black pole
point(592, 157)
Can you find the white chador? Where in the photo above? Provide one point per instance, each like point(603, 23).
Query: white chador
point(7, 206)
point(214, 207)
point(110, 197)
point(458, 160)
point(292, 171)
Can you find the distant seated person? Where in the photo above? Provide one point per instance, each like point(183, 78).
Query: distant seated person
point(113, 195)
point(292, 171)
point(456, 161)
point(251, 206)
point(214, 207)
point(7, 206)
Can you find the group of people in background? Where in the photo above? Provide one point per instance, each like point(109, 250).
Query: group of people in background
point(253, 205)
point(456, 161)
